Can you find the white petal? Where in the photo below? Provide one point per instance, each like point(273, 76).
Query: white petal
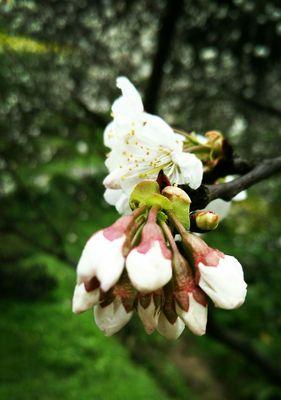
point(83, 300)
point(129, 105)
point(87, 264)
point(196, 316)
point(112, 196)
point(149, 271)
point(112, 318)
point(112, 180)
point(225, 283)
point(149, 316)
point(240, 196)
point(191, 168)
point(111, 264)
point(103, 258)
point(169, 331)
point(119, 199)
point(219, 207)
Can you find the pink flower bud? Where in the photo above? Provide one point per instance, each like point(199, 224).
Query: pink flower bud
point(195, 316)
point(219, 275)
point(149, 264)
point(85, 296)
point(102, 256)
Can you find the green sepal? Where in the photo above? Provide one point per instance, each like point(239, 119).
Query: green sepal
point(142, 192)
point(161, 217)
point(160, 201)
point(181, 212)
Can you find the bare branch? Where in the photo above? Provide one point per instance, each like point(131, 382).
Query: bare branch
point(164, 41)
point(226, 191)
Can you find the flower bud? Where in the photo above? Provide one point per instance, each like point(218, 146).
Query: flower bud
point(102, 256)
point(111, 318)
point(216, 140)
point(220, 276)
point(180, 203)
point(191, 303)
point(148, 312)
point(85, 296)
point(170, 331)
point(174, 193)
point(205, 220)
point(149, 264)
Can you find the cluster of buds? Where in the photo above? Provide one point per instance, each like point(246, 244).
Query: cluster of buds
point(138, 264)
point(210, 148)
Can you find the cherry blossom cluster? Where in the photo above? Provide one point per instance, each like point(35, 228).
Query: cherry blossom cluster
point(150, 260)
point(137, 265)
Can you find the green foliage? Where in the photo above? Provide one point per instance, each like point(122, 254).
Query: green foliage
point(50, 353)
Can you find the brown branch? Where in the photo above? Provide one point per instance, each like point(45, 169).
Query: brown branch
point(263, 170)
point(166, 33)
point(226, 191)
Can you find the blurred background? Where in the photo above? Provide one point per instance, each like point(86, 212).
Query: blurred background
point(201, 65)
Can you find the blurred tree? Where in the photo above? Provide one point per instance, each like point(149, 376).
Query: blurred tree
point(202, 65)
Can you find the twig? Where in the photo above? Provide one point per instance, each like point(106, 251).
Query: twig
point(226, 191)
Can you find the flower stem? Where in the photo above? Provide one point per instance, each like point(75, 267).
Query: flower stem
point(152, 216)
point(169, 236)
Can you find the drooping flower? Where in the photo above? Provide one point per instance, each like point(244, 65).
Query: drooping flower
point(102, 256)
point(195, 317)
point(112, 317)
point(187, 300)
point(219, 275)
point(85, 295)
point(149, 264)
point(148, 312)
point(136, 264)
point(170, 331)
point(223, 282)
point(141, 145)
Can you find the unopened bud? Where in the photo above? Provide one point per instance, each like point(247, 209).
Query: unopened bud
point(175, 193)
point(206, 220)
point(180, 202)
point(216, 140)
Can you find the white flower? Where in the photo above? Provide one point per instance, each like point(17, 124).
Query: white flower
point(150, 270)
point(224, 283)
point(102, 258)
point(112, 318)
point(142, 144)
point(83, 299)
point(119, 199)
point(168, 330)
point(149, 316)
point(196, 316)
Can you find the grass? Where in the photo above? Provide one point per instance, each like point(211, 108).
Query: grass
point(48, 353)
